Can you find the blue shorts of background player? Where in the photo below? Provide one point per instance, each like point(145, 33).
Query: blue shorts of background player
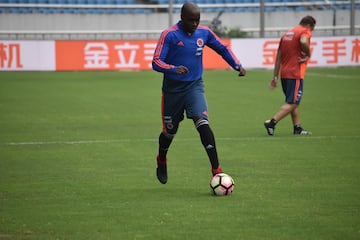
point(293, 90)
point(188, 97)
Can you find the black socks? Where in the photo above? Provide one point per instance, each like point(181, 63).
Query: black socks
point(164, 143)
point(208, 141)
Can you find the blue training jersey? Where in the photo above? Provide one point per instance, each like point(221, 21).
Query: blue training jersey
point(176, 47)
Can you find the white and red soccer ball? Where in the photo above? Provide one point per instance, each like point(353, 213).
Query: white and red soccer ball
point(222, 184)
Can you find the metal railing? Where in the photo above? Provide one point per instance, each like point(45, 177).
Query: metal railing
point(352, 29)
point(310, 4)
point(153, 34)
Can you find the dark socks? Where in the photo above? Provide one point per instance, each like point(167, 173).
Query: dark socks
point(208, 141)
point(297, 127)
point(273, 122)
point(164, 143)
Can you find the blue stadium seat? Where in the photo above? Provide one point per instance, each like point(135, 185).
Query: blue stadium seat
point(49, 10)
point(118, 11)
point(25, 10)
point(120, 2)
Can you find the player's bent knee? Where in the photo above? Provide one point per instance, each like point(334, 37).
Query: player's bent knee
point(200, 122)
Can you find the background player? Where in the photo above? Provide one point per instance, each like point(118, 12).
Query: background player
point(291, 61)
point(178, 55)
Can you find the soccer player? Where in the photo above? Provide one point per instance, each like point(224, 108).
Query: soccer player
point(178, 55)
point(291, 61)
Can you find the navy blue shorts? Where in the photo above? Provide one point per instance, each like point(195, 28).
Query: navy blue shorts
point(192, 101)
point(293, 90)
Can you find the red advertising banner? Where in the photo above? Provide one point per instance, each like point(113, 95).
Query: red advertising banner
point(117, 55)
point(137, 54)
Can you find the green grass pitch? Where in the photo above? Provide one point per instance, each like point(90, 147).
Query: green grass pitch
point(77, 159)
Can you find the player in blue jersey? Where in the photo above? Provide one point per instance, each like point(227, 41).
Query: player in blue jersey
point(178, 55)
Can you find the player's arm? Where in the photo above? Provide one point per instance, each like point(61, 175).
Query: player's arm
point(305, 48)
point(161, 51)
point(215, 43)
point(274, 81)
point(277, 63)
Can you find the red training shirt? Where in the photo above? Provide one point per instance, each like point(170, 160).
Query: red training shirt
point(291, 51)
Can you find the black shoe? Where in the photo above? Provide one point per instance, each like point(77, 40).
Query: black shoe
point(269, 127)
point(161, 171)
point(301, 131)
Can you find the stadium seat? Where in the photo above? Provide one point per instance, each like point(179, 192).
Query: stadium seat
point(119, 2)
point(49, 10)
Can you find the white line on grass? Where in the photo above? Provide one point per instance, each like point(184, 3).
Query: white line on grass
point(334, 75)
point(105, 141)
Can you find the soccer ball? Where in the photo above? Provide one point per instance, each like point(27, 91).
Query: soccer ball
point(222, 184)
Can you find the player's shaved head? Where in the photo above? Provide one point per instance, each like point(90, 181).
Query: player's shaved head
point(190, 17)
point(190, 8)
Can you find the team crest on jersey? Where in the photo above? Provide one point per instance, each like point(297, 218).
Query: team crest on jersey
point(200, 46)
point(200, 42)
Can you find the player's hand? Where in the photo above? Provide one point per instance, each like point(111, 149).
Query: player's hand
point(182, 70)
point(303, 58)
point(242, 72)
point(273, 83)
